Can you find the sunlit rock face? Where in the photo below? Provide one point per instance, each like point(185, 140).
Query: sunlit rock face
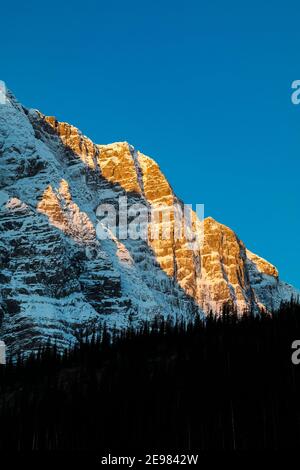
point(223, 266)
point(57, 276)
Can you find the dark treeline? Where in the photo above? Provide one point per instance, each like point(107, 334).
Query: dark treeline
point(228, 383)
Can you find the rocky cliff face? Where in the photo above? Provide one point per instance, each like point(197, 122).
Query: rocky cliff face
point(57, 276)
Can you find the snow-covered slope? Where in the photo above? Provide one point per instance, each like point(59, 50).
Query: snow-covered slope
point(56, 276)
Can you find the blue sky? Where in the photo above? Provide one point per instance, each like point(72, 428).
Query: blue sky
point(203, 87)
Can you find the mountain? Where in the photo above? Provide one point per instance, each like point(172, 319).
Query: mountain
point(57, 276)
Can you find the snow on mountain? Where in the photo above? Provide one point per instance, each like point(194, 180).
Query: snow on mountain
point(57, 276)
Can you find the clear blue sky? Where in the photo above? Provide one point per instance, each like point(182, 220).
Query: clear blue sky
point(203, 87)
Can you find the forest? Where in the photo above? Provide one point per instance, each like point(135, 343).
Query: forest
point(224, 383)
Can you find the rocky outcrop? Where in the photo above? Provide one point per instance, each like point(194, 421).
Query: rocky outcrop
point(57, 276)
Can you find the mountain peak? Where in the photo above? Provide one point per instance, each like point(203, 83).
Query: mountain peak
point(57, 275)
